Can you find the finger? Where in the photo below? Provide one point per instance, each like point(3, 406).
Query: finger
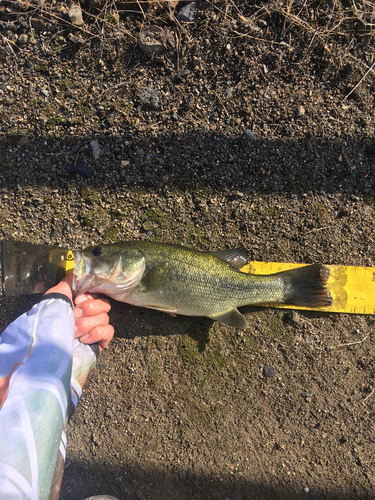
point(87, 323)
point(86, 296)
point(102, 335)
point(92, 307)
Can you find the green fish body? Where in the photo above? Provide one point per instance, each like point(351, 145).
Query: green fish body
point(179, 280)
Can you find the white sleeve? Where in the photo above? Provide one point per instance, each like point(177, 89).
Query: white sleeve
point(35, 382)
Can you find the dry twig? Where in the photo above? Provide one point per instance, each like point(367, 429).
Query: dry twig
point(350, 343)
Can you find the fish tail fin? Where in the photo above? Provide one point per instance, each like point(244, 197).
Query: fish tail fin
point(305, 286)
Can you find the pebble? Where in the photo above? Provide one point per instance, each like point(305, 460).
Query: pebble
point(249, 134)
point(38, 25)
point(188, 103)
point(23, 39)
point(150, 98)
point(152, 39)
point(347, 70)
point(95, 149)
point(292, 317)
point(188, 13)
point(306, 490)
point(81, 168)
point(75, 39)
point(190, 473)
point(75, 15)
point(304, 395)
point(300, 111)
point(228, 92)
point(196, 62)
point(269, 371)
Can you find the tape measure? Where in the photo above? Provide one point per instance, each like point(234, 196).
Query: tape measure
point(65, 263)
point(69, 262)
point(352, 287)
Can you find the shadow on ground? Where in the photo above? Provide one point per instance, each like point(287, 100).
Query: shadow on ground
point(134, 483)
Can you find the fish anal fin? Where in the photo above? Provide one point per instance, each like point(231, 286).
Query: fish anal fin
point(236, 257)
point(231, 318)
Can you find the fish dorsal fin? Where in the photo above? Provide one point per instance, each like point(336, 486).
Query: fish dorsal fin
point(232, 318)
point(236, 257)
point(155, 278)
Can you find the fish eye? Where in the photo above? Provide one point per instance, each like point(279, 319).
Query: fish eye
point(97, 251)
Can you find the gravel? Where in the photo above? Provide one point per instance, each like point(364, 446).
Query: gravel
point(197, 144)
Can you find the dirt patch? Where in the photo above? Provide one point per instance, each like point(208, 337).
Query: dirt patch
point(253, 126)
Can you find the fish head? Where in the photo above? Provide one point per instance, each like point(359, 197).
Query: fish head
point(107, 269)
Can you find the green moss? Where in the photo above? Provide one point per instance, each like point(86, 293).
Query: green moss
point(90, 194)
point(155, 372)
point(111, 233)
point(188, 348)
point(34, 103)
point(64, 83)
point(95, 218)
point(41, 68)
point(56, 120)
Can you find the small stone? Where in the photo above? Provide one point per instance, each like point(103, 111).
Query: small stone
point(22, 39)
point(152, 39)
point(188, 103)
point(304, 394)
point(190, 473)
point(38, 25)
point(124, 163)
point(306, 490)
point(249, 135)
point(183, 73)
point(175, 117)
point(23, 141)
point(81, 168)
point(150, 98)
point(188, 13)
point(76, 39)
point(300, 111)
point(292, 317)
point(196, 62)
point(95, 149)
point(75, 15)
point(228, 92)
point(269, 371)
point(347, 70)
point(70, 168)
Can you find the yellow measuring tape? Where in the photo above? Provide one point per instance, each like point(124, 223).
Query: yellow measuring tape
point(69, 262)
point(63, 261)
point(352, 288)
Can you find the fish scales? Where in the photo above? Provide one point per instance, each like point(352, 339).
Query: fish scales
point(180, 280)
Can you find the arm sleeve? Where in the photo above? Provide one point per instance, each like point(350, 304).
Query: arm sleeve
point(37, 393)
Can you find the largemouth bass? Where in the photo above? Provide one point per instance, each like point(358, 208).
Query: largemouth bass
point(179, 280)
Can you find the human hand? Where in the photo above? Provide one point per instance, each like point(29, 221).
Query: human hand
point(92, 321)
point(90, 314)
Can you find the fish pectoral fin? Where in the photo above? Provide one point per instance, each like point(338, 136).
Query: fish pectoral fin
point(154, 279)
point(231, 318)
point(236, 257)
